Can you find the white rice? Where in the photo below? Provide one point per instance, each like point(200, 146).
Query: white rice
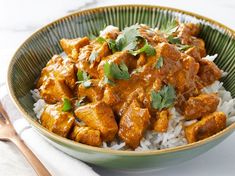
point(175, 134)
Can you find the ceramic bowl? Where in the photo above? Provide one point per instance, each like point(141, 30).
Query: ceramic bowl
point(34, 53)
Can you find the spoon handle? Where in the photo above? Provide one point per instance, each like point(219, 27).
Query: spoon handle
point(39, 168)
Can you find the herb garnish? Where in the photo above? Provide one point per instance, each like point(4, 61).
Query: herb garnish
point(173, 40)
point(159, 63)
point(147, 49)
point(177, 42)
point(111, 43)
point(83, 78)
point(66, 105)
point(100, 40)
point(115, 71)
point(128, 39)
point(164, 98)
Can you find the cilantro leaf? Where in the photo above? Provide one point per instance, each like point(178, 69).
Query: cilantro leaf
point(147, 48)
point(164, 98)
point(177, 42)
point(84, 78)
point(115, 71)
point(66, 105)
point(112, 45)
point(183, 47)
point(170, 27)
point(128, 39)
point(93, 56)
point(159, 62)
point(173, 40)
point(101, 40)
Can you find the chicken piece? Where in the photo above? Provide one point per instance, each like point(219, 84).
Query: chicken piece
point(151, 35)
point(94, 93)
point(208, 72)
point(178, 69)
point(188, 29)
point(194, 52)
point(200, 44)
point(111, 97)
point(100, 50)
point(141, 60)
point(99, 116)
point(206, 127)
point(72, 46)
point(96, 51)
point(57, 121)
point(110, 32)
point(187, 33)
point(184, 79)
point(161, 124)
point(137, 95)
point(53, 90)
point(86, 135)
point(168, 51)
point(59, 68)
point(133, 124)
point(201, 105)
point(118, 58)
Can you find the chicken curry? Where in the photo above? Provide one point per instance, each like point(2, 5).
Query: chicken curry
point(122, 83)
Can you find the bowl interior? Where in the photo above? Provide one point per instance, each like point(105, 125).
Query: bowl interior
point(35, 52)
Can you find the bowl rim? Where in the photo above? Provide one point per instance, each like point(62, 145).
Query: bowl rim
point(75, 145)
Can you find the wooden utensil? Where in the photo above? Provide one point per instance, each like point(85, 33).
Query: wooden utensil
point(8, 133)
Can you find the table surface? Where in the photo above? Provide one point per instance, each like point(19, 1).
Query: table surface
point(19, 19)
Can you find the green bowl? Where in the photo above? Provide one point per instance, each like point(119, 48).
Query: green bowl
point(34, 53)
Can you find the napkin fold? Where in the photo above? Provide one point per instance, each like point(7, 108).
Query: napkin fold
point(57, 162)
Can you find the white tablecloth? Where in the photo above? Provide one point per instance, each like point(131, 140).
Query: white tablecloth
point(18, 19)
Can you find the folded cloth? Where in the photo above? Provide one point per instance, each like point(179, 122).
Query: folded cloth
point(57, 162)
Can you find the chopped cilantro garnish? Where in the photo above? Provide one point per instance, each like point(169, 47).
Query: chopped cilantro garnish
point(66, 105)
point(159, 62)
point(100, 40)
point(128, 39)
point(177, 42)
point(83, 78)
point(148, 49)
point(170, 27)
point(183, 47)
point(115, 71)
point(111, 43)
point(93, 56)
point(164, 98)
point(173, 40)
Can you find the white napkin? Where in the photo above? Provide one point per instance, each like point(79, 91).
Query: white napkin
point(57, 162)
